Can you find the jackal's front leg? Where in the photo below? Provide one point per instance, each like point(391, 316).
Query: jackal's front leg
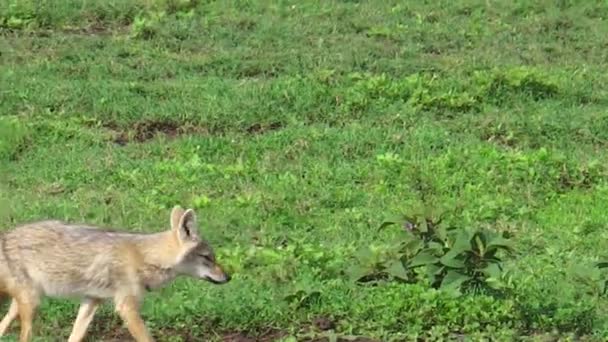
point(128, 309)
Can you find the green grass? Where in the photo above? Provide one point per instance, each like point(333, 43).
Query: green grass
point(294, 128)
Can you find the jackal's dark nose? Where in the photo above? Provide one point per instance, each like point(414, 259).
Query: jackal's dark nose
point(228, 277)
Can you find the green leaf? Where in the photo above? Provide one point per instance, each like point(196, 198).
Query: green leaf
point(424, 227)
point(450, 260)
point(462, 242)
point(412, 247)
point(453, 280)
point(498, 242)
point(357, 272)
point(365, 254)
point(423, 258)
point(480, 245)
point(434, 268)
point(494, 283)
point(441, 232)
point(435, 246)
point(433, 271)
point(295, 296)
point(410, 219)
point(397, 270)
point(398, 219)
point(492, 271)
point(584, 273)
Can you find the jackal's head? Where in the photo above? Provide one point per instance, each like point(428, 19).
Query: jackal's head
point(198, 259)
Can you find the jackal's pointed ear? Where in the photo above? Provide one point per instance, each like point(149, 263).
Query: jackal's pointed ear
point(186, 228)
point(176, 215)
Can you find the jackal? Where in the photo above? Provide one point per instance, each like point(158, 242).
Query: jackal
point(57, 259)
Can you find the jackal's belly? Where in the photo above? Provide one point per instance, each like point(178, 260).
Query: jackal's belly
point(94, 281)
point(76, 290)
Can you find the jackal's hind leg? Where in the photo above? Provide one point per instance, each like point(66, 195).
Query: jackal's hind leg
point(86, 312)
point(27, 303)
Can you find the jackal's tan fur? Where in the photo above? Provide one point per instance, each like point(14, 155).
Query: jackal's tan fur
point(56, 259)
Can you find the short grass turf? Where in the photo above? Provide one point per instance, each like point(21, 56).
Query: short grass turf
point(294, 128)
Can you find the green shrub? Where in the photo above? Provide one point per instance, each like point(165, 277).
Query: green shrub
point(13, 136)
point(456, 259)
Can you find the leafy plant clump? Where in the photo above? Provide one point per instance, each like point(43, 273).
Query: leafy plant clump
point(602, 278)
point(461, 260)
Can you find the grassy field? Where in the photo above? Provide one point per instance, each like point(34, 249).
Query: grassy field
point(295, 129)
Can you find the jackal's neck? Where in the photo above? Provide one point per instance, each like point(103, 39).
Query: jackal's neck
point(159, 254)
point(153, 277)
point(159, 249)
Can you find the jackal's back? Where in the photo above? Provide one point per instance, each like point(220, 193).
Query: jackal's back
point(62, 259)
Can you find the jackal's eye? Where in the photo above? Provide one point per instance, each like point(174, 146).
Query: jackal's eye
point(206, 257)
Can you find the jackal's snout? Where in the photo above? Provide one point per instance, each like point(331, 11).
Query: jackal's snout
point(218, 275)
